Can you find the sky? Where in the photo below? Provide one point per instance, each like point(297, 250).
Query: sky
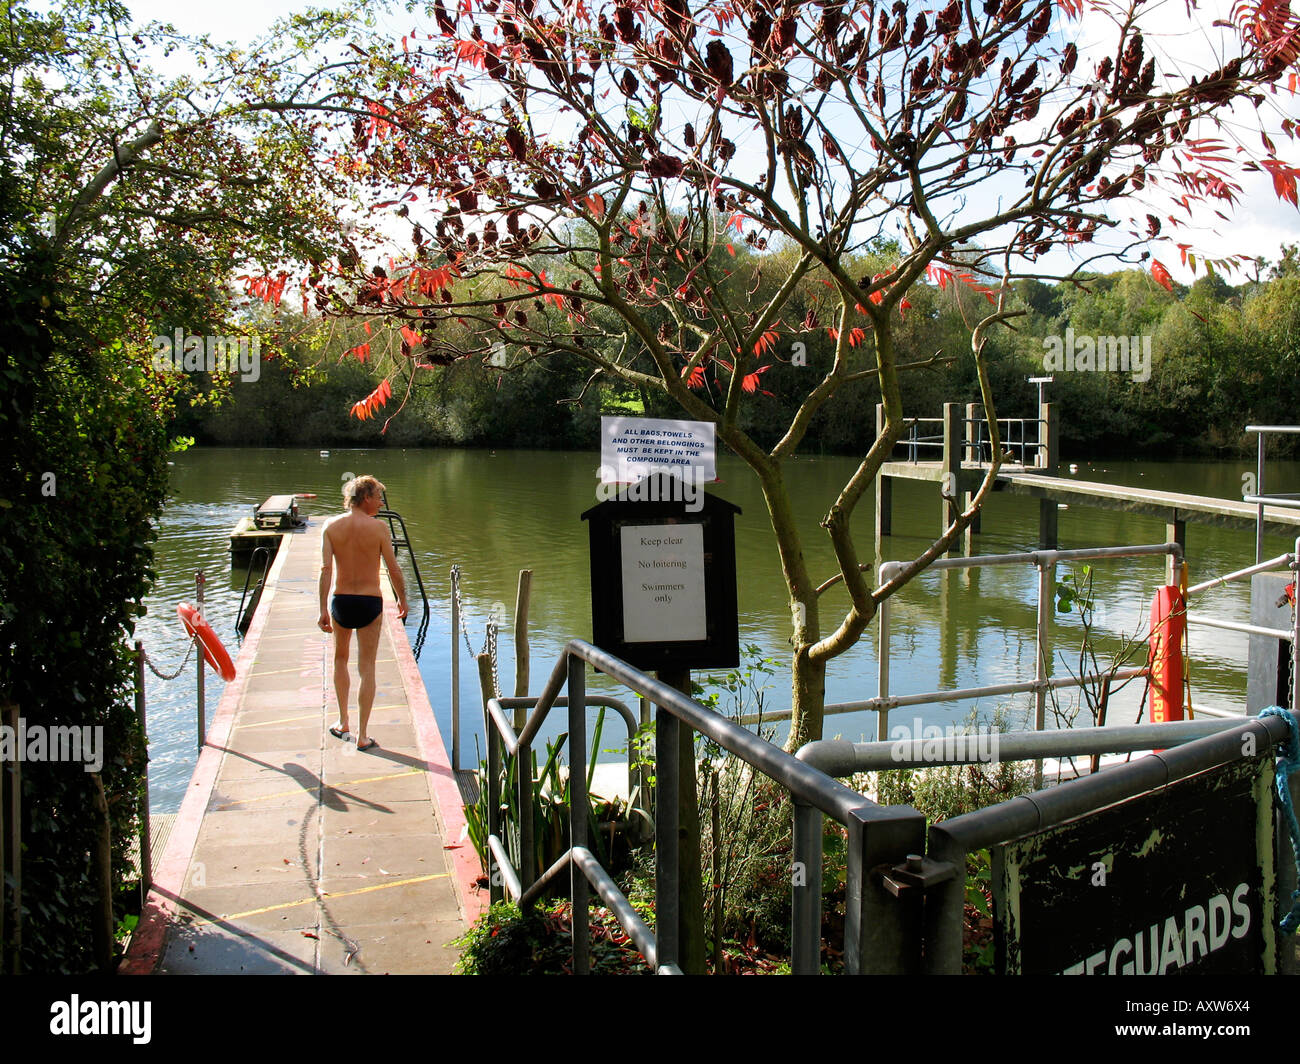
point(1260, 224)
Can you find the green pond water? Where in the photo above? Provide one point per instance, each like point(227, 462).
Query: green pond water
point(496, 513)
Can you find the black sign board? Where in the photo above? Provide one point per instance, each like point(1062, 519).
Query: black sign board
point(1176, 880)
point(663, 578)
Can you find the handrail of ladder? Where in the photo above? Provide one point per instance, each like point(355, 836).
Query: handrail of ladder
point(405, 541)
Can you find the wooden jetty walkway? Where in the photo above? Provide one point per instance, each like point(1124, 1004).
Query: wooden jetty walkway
point(292, 851)
point(960, 439)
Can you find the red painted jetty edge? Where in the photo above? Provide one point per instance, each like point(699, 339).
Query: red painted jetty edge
point(462, 860)
point(150, 937)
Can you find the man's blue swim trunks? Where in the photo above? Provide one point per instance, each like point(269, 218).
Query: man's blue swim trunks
point(355, 611)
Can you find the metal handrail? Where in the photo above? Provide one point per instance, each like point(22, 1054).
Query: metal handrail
point(950, 840)
point(895, 830)
point(405, 541)
point(1259, 498)
point(241, 622)
point(1045, 561)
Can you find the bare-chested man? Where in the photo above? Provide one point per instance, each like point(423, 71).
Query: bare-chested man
point(357, 542)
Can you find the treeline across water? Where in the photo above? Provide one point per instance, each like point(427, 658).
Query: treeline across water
point(1203, 362)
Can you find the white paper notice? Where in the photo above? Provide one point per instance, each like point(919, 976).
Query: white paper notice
point(632, 448)
point(663, 583)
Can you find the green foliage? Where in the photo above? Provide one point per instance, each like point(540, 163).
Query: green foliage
point(1221, 356)
point(942, 792)
point(506, 941)
point(125, 198)
point(610, 835)
point(82, 415)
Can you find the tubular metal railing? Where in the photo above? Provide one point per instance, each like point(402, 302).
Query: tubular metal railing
point(951, 840)
point(1258, 497)
point(1012, 436)
point(404, 540)
point(1040, 685)
point(876, 834)
point(242, 619)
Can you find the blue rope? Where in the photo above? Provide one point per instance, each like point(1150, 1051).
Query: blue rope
point(1288, 761)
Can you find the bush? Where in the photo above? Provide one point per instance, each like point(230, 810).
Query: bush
point(506, 941)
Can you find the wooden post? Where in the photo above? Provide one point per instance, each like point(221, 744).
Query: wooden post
point(975, 456)
point(521, 635)
point(974, 450)
point(146, 829)
point(1175, 532)
point(950, 484)
point(1049, 439)
point(101, 875)
point(690, 910)
point(884, 494)
point(485, 685)
point(1048, 458)
point(11, 786)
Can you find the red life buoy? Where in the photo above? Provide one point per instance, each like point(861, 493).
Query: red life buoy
point(1168, 625)
point(213, 652)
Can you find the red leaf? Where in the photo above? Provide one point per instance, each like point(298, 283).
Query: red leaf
point(1284, 180)
point(750, 381)
point(366, 407)
point(1161, 275)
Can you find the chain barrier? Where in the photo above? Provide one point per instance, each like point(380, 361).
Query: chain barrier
point(181, 668)
point(490, 646)
point(489, 636)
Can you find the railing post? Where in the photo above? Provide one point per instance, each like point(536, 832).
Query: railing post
point(1043, 648)
point(146, 836)
point(455, 670)
point(944, 911)
point(579, 810)
point(953, 444)
point(1259, 506)
point(882, 666)
point(1295, 638)
point(524, 786)
point(199, 581)
point(882, 933)
point(884, 493)
point(667, 865)
point(806, 886)
point(495, 892)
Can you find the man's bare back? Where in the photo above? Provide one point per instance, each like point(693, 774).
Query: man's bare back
point(357, 542)
point(352, 546)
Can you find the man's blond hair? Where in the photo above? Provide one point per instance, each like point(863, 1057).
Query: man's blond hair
point(359, 489)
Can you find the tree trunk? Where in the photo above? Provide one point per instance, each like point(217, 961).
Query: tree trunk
point(807, 677)
point(807, 699)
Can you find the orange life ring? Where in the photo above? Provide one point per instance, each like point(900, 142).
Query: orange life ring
point(213, 652)
point(1168, 625)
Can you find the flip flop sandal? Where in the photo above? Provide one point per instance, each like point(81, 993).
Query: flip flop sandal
point(338, 733)
point(370, 743)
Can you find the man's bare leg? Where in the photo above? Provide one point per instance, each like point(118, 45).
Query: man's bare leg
point(367, 650)
point(342, 682)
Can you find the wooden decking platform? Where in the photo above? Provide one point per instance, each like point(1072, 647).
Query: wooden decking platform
point(293, 852)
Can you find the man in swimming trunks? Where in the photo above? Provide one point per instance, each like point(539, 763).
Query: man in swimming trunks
point(357, 542)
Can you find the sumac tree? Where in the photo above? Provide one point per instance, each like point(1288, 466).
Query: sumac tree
point(607, 182)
